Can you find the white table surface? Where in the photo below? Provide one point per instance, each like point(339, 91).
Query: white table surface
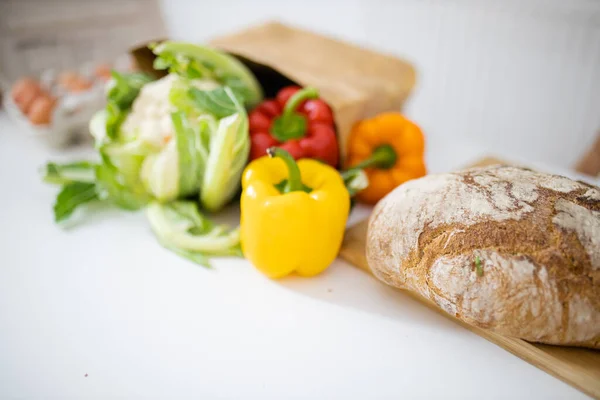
point(101, 310)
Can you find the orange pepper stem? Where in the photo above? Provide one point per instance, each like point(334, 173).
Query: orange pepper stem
point(290, 124)
point(383, 157)
point(294, 181)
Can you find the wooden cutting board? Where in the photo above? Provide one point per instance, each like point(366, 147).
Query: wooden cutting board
point(577, 367)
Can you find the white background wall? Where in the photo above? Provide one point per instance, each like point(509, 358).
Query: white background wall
point(521, 78)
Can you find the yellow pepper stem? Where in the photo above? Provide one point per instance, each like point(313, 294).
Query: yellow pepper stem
point(383, 157)
point(294, 181)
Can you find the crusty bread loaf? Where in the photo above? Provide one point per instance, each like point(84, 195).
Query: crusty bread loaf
point(502, 248)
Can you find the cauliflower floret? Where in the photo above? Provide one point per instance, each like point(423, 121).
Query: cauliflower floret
point(150, 116)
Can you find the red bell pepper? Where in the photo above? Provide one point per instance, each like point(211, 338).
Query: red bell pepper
point(298, 122)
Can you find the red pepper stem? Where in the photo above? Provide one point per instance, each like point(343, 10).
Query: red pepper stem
point(294, 181)
point(297, 98)
point(383, 157)
point(290, 124)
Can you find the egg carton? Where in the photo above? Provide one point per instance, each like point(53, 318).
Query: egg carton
point(72, 112)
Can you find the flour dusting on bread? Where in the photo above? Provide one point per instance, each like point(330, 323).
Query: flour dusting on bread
point(585, 223)
point(454, 281)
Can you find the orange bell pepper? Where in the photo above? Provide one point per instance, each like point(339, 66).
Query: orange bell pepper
point(391, 149)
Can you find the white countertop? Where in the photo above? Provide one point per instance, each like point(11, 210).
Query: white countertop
point(101, 310)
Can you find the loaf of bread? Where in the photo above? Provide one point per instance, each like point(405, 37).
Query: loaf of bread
point(501, 248)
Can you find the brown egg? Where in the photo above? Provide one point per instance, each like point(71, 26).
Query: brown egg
point(40, 112)
point(102, 71)
point(66, 78)
point(23, 86)
point(24, 92)
point(27, 97)
point(79, 85)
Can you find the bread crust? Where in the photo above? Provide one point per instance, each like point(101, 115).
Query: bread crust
point(535, 236)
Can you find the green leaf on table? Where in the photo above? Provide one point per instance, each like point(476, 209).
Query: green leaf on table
point(62, 174)
point(72, 196)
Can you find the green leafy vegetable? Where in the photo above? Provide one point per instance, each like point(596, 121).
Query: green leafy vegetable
point(180, 227)
point(229, 150)
point(71, 196)
point(62, 174)
point(111, 186)
point(160, 174)
point(192, 61)
point(192, 141)
point(181, 100)
point(162, 63)
point(239, 87)
point(216, 102)
point(125, 88)
point(192, 153)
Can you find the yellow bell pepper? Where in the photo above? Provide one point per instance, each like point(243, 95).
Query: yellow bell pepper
point(293, 214)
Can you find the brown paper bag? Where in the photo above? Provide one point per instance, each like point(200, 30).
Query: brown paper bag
point(356, 83)
point(590, 163)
